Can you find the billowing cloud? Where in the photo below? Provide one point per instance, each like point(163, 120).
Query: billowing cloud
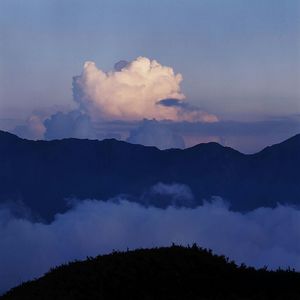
point(154, 133)
point(258, 238)
point(72, 124)
point(164, 195)
point(133, 91)
point(33, 128)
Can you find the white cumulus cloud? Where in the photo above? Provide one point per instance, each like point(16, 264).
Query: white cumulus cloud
point(132, 91)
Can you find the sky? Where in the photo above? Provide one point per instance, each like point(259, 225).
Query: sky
point(168, 73)
point(239, 59)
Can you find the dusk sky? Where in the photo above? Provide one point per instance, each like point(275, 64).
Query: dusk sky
point(89, 88)
point(239, 59)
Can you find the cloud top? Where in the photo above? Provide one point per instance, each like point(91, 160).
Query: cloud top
point(132, 91)
point(154, 133)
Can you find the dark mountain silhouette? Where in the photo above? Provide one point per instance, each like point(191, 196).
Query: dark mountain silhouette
point(161, 273)
point(41, 174)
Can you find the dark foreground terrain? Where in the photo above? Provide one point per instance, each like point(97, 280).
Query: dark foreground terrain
point(162, 273)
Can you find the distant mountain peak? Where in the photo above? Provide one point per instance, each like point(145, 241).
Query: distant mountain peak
point(291, 144)
point(92, 169)
point(293, 139)
point(7, 135)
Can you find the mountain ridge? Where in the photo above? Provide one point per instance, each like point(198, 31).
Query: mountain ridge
point(42, 174)
point(293, 139)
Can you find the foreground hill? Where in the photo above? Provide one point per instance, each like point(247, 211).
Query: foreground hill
point(163, 273)
point(41, 174)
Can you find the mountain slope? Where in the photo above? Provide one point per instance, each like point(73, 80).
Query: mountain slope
point(161, 273)
point(41, 174)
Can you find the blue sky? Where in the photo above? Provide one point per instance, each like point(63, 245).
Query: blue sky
point(239, 58)
point(238, 53)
